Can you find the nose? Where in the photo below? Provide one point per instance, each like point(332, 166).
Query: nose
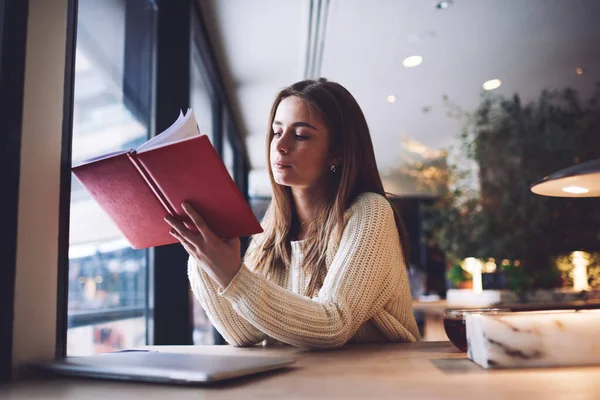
point(283, 144)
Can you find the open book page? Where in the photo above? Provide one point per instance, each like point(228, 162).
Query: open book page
point(183, 128)
point(102, 157)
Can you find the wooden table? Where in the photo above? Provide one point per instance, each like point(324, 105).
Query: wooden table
point(425, 370)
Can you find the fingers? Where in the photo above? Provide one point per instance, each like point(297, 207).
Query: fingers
point(189, 247)
point(198, 221)
point(180, 231)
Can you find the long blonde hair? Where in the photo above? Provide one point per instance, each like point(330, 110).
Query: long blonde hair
point(357, 173)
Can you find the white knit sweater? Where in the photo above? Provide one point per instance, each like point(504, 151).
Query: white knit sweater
point(365, 296)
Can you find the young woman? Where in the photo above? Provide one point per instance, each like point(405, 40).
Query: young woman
point(330, 266)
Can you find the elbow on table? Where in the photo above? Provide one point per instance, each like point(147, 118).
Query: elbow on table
point(242, 343)
point(333, 341)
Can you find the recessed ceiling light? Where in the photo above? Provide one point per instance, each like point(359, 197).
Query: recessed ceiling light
point(575, 190)
point(442, 5)
point(391, 98)
point(492, 84)
point(412, 61)
point(579, 71)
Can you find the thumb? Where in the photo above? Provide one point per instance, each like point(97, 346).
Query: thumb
point(233, 242)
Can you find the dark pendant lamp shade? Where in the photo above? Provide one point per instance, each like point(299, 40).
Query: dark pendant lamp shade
point(581, 180)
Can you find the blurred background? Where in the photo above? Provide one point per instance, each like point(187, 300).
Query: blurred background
point(469, 102)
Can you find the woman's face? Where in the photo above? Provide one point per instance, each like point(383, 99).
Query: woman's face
point(300, 145)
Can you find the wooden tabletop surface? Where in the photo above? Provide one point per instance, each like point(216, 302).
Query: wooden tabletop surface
point(425, 370)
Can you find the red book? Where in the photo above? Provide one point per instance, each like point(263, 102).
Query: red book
point(138, 188)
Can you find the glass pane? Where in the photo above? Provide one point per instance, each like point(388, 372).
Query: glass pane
point(104, 338)
point(202, 102)
point(228, 155)
point(201, 99)
point(113, 88)
point(203, 330)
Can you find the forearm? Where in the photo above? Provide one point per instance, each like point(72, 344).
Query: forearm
point(295, 319)
point(234, 328)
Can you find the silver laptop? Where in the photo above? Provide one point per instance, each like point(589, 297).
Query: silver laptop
point(160, 367)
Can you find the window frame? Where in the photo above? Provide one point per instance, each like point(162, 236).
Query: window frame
point(158, 262)
point(62, 294)
point(13, 42)
point(144, 111)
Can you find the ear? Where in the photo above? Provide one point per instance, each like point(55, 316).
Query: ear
point(335, 161)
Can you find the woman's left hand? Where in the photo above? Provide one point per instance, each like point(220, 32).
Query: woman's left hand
point(219, 258)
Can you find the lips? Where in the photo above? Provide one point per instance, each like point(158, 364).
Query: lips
point(279, 165)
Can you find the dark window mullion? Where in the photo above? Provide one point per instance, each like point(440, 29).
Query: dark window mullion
point(13, 34)
point(62, 297)
point(172, 314)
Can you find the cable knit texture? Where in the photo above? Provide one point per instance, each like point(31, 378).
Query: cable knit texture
point(365, 296)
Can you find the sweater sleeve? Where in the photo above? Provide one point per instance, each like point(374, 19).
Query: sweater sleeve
point(362, 278)
point(235, 329)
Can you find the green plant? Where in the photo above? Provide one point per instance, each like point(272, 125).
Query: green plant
point(487, 209)
point(456, 274)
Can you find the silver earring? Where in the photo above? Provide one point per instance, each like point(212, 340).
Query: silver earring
point(333, 169)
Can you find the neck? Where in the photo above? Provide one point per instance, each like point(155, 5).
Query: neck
point(306, 201)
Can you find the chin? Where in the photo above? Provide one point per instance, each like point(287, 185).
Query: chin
point(284, 179)
point(283, 182)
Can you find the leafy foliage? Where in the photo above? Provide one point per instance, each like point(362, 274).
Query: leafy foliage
point(456, 274)
point(512, 146)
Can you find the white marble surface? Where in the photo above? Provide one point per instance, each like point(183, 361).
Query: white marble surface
point(534, 339)
point(500, 297)
point(469, 297)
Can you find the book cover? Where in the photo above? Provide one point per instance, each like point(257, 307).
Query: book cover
point(137, 189)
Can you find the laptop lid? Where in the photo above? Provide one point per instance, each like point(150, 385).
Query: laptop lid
point(161, 367)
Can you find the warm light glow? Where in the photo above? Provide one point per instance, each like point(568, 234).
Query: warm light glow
point(89, 289)
point(579, 71)
point(489, 266)
point(412, 61)
point(474, 267)
point(414, 146)
point(492, 84)
point(575, 190)
point(580, 278)
point(391, 98)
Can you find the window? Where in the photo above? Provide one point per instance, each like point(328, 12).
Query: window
point(114, 75)
point(205, 104)
point(201, 99)
point(228, 155)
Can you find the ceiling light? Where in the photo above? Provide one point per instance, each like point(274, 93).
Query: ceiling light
point(579, 71)
point(412, 61)
point(492, 84)
point(442, 5)
point(391, 98)
point(575, 190)
point(580, 180)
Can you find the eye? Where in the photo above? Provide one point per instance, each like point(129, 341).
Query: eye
point(277, 134)
point(300, 137)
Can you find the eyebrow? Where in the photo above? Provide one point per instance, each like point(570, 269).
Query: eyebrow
point(297, 124)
